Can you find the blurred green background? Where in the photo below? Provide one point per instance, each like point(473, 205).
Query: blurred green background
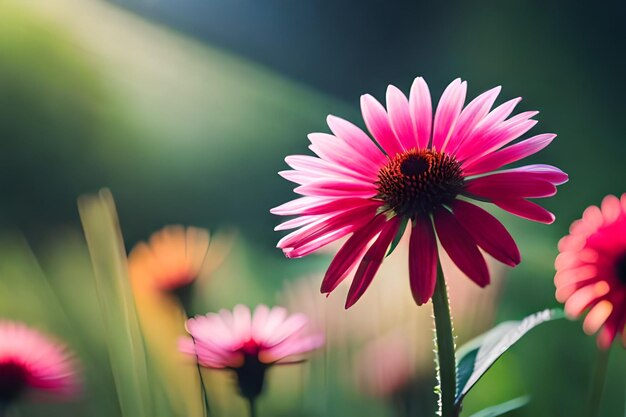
point(186, 109)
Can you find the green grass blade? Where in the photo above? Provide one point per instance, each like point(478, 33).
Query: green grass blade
point(125, 342)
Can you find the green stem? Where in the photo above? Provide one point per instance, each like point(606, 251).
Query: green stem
point(252, 406)
point(596, 386)
point(205, 396)
point(444, 339)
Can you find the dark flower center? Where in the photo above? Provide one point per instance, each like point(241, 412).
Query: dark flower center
point(251, 374)
point(13, 379)
point(620, 268)
point(414, 183)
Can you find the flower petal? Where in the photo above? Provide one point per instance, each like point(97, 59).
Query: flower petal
point(487, 232)
point(371, 261)
point(377, 123)
point(350, 253)
point(351, 219)
point(355, 138)
point(420, 106)
point(259, 321)
point(335, 150)
point(400, 117)
point(498, 115)
point(337, 187)
point(581, 300)
point(494, 139)
point(541, 171)
point(291, 347)
point(525, 209)
point(315, 205)
point(447, 113)
point(422, 260)
point(320, 241)
point(288, 328)
point(597, 316)
point(510, 185)
point(297, 222)
point(611, 209)
point(509, 155)
point(315, 166)
point(461, 247)
point(298, 177)
point(613, 324)
point(469, 118)
point(242, 322)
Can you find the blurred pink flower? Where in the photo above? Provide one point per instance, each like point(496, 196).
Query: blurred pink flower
point(385, 365)
point(355, 187)
point(249, 343)
point(591, 270)
point(29, 361)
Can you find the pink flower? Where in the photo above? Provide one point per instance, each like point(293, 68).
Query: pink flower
point(386, 364)
point(29, 361)
point(422, 171)
point(249, 343)
point(591, 270)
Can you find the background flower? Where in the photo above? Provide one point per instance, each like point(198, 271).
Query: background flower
point(591, 270)
point(166, 273)
point(31, 362)
point(248, 343)
point(172, 258)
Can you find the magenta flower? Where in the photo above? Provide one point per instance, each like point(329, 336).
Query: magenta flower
point(423, 171)
point(386, 365)
point(591, 270)
point(29, 361)
point(249, 343)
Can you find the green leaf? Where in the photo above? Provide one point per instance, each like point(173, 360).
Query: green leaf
point(124, 338)
point(500, 409)
point(478, 355)
point(398, 237)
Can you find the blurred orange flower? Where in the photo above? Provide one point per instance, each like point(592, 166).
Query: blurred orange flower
point(172, 258)
point(162, 271)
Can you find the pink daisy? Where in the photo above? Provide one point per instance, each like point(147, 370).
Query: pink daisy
point(249, 343)
point(422, 170)
point(591, 270)
point(29, 361)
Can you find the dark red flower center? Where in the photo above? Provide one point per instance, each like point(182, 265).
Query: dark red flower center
point(251, 374)
point(251, 348)
point(13, 380)
point(620, 268)
point(414, 183)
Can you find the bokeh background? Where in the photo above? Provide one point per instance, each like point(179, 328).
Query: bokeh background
point(185, 110)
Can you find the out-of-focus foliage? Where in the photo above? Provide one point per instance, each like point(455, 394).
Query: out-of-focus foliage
point(155, 116)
